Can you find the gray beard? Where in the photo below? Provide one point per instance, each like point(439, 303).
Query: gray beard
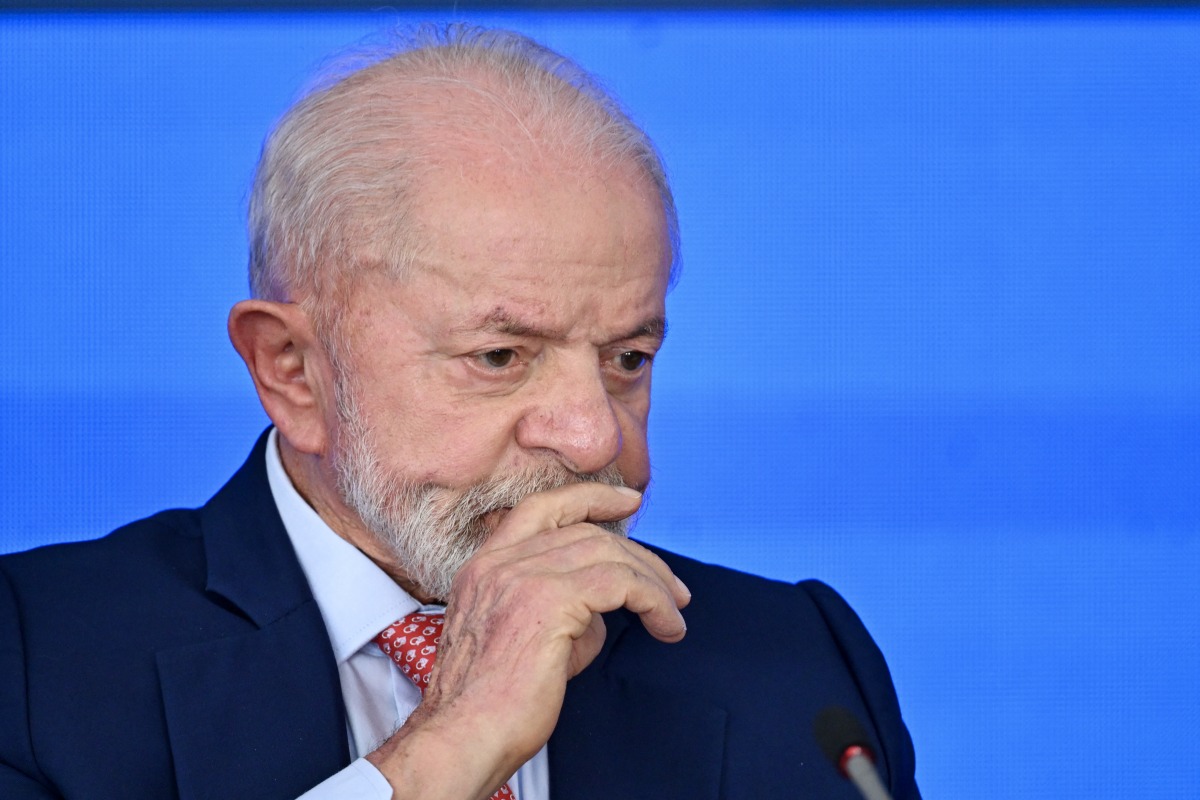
point(433, 530)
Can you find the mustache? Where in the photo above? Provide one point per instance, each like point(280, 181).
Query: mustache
point(507, 491)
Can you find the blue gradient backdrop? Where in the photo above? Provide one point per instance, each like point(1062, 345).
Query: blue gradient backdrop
point(936, 341)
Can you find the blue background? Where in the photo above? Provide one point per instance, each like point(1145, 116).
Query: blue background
point(936, 340)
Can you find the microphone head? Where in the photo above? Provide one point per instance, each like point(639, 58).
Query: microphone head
point(837, 731)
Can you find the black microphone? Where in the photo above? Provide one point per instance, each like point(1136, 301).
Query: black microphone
point(847, 747)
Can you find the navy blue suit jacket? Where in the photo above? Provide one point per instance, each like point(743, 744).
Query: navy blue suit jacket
point(183, 656)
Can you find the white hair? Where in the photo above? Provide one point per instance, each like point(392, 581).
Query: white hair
point(335, 184)
point(433, 530)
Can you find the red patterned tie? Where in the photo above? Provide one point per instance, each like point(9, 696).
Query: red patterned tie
point(411, 642)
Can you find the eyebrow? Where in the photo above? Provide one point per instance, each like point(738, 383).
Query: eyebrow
point(654, 328)
point(500, 320)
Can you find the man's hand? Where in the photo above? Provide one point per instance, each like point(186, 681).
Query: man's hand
point(523, 618)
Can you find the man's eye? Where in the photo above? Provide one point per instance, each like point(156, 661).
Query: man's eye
point(498, 359)
point(632, 360)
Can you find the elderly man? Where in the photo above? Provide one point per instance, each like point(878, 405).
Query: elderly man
point(417, 585)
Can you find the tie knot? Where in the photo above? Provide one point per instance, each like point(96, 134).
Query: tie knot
point(412, 643)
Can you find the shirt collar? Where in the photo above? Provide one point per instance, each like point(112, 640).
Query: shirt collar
point(356, 598)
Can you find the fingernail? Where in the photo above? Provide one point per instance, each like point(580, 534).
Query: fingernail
point(683, 586)
point(627, 491)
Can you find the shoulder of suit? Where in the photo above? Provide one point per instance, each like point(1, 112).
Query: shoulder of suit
point(121, 563)
point(750, 588)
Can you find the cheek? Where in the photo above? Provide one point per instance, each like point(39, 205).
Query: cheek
point(633, 462)
point(449, 449)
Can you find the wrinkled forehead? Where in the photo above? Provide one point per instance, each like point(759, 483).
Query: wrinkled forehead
point(544, 219)
point(550, 245)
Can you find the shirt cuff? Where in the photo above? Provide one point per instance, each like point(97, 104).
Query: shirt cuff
point(359, 781)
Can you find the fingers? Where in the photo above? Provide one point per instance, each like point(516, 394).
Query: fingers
point(643, 593)
point(552, 530)
point(585, 569)
point(588, 645)
point(524, 617)
point(564, 506)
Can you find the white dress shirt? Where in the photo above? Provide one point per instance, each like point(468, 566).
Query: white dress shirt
point(357, 600)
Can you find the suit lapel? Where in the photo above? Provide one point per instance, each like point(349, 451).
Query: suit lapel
point(620, 737)
point(254, 716)
point(258, 714)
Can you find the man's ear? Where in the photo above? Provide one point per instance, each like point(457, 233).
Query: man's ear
point(290, 370)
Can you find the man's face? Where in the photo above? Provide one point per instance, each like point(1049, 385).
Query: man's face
point(514, 357)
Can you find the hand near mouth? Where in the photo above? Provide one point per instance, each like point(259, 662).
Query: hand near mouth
point(523, 618)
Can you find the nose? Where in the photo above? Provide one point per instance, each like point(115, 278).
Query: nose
point(572, 416)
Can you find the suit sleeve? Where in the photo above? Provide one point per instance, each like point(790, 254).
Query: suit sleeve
point(18, 769)
point(874, 682)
